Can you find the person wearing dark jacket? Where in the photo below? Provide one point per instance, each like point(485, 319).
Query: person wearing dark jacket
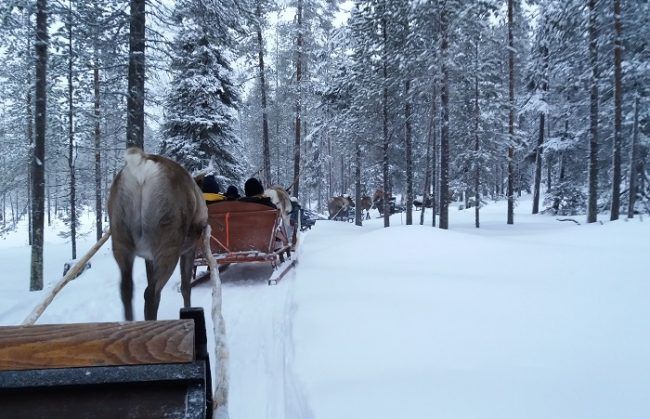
point(254, 192)
point(232, 193)
point(211, 192)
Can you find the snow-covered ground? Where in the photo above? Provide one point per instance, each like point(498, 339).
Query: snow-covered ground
point(543, 319)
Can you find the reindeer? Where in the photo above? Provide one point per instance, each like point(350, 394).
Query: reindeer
point(281, 199)
point(378, 202)
point(338, 207)
point(366, 204)
point(157, 212)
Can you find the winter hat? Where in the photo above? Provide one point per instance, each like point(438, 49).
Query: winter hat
point(232, 192)
point(210, 184)
point(253, 187)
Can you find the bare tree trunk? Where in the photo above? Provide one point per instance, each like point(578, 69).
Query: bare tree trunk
point(549, 167)
point(592, 209)
point(386, 144)
point(29, 127)
point(49, 199)
point(343, 188)
point(428, 171)
point(135, 102)
point(357, 183)
point(266, 151)
point(477, 144)
point(30, 140)
point(511, 114)
point(98, 156)
point(434, 156)
point(319, 203)
point(38, 162)
point(538, 164)
point(13, 211)
point(634, 160)
point(618, 104)
point(497, 176)
point(296, 147)
point(444, 137)
point(540, 138)
point(71, 157)
point(330, 180)
point(409, 156)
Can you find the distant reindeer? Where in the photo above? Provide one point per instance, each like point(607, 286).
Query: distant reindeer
point(366, 204)
point(338, 207)
point(426, 202)
point(157, 212)
point(378, 202)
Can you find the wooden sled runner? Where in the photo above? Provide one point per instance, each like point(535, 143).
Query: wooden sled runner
point(248, 232)
point(147, 369)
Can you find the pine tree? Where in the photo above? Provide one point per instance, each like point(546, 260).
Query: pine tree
point(199, 131)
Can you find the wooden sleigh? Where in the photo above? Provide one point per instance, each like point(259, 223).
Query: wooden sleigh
point(145, 369)
point(248, 232)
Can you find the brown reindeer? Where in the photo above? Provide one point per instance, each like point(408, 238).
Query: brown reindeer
point(378, 196)
point(366, 204)
point(338, 207)
point(157, 212)
point(378, 201)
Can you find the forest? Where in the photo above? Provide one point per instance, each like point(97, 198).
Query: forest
point(453, 102)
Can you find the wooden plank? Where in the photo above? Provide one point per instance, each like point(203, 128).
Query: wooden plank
point(96, 344)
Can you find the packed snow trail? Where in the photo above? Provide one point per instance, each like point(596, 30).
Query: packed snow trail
point(258, 319)
point(257, 316)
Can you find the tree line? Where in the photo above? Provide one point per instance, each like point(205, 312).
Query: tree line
point(463, 101)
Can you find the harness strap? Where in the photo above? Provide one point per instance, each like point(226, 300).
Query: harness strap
point(337, 213)
point(227, 230)
point(220, 244)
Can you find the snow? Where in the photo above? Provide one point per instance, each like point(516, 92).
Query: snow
point(537, 320)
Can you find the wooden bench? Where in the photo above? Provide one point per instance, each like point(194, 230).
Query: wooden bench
point(147, 369)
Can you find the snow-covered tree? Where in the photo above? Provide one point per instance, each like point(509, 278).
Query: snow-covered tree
point(201, 107)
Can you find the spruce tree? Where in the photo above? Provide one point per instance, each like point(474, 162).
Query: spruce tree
point(201, 108)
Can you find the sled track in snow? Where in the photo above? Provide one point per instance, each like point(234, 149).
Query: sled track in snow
point(259, 329)
point(296, 404)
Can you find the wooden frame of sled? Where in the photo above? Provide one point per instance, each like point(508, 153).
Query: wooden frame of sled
point(249, 232)
point(145, 369)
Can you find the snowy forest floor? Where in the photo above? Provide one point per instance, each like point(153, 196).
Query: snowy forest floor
point(542, 319)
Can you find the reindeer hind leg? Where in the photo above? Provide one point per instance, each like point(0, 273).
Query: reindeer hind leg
point(187, 265)
point(158, 273)
point(125, 262)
